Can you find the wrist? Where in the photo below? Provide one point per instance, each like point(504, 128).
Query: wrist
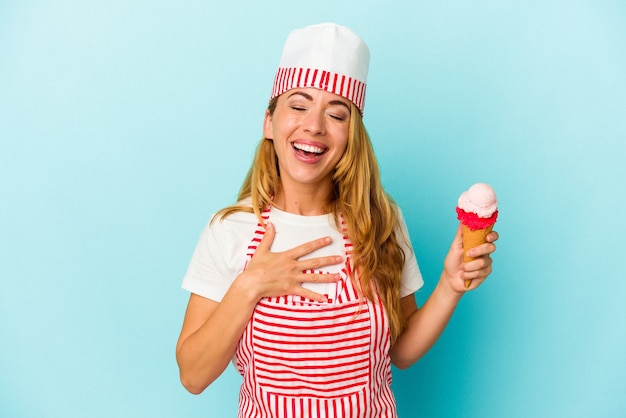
point(246, 294)
point(446, 290)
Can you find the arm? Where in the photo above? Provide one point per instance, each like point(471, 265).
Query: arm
point(425, 325)
point(209, 336)
point(211, 330)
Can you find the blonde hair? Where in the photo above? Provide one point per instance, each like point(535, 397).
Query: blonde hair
point(372, 224)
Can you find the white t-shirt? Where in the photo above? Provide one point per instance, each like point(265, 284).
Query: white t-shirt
point(220, 254)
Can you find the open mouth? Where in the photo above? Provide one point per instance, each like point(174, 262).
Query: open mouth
point(308, 150)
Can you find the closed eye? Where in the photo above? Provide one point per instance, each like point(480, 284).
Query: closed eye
point(338, 117)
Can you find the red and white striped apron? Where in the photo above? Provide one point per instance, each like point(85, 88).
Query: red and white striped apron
point(301, 358)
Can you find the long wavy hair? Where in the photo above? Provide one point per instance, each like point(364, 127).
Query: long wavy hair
point(372, 223)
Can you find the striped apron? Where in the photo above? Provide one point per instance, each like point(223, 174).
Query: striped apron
point(301, 358)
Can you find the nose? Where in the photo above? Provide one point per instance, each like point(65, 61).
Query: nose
point(314, 122)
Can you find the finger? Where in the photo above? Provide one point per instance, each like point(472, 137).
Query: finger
point(320, 278)
point(473, 284)
point(477, 274)
point(268, 238)
point(309, 247)
point(477, 263)
point(492, 236)
point(456, 247)
point(318, 262)
point(481, 267)
point(457, 243)
point(306, 293)
point(481, 250)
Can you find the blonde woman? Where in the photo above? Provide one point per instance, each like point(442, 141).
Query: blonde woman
point(306, 284)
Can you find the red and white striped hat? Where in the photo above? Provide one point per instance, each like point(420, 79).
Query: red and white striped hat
point(326, 56)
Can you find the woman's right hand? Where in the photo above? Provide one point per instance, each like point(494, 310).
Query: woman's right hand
point(211, 330)
point(271, 274)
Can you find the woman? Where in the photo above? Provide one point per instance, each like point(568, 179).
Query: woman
point(307, 283)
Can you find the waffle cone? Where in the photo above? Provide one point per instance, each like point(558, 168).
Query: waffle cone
point(473, 239)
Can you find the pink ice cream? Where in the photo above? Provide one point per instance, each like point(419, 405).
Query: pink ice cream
point(477, 207)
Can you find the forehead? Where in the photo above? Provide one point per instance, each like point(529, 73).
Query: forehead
point(316, 95)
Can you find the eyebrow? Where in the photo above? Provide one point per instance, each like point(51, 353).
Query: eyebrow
point(309, 97)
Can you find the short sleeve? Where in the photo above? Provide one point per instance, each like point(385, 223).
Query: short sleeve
point(411, 276)
point(218, 258)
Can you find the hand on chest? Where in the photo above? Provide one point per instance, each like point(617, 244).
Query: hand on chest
point(289, 236)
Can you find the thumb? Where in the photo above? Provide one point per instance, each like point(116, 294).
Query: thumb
point(268, 238)
point(454, 258)
point(457, 243)
point(455, 254)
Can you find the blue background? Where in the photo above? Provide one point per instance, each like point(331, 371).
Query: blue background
point(124, 124)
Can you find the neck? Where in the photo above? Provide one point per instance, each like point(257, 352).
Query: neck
point(304, 200)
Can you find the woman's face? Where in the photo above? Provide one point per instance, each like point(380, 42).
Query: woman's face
point(309, 128)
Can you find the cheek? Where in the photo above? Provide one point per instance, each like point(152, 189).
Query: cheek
point(343, 148)
point(342, 142)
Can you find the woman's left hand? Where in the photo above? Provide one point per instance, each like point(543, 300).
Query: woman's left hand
point(426, 324)
point(457, 272)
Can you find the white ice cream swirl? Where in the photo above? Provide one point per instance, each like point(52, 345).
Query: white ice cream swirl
point(479, 199)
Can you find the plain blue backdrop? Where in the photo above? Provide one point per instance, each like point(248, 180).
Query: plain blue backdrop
point(125, 124)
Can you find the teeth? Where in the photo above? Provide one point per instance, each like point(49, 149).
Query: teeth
point(308, 148)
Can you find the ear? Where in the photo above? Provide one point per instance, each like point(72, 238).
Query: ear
point(268, 127)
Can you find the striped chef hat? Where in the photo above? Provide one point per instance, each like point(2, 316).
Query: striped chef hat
point(326, 56)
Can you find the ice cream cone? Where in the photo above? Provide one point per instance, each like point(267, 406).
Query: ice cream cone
point(473, 239)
